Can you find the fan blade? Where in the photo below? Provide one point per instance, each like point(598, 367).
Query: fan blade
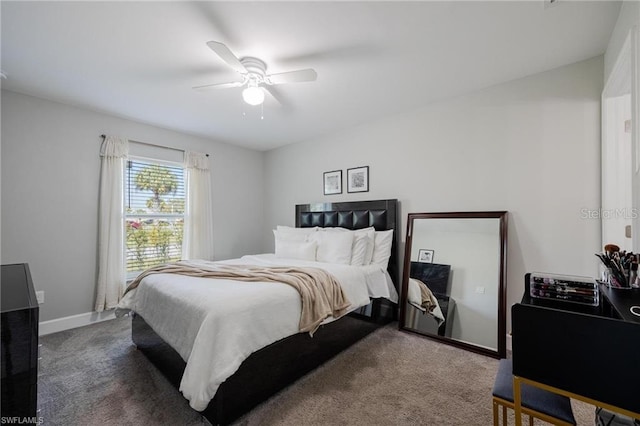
point(274, 94)
point(279, 98)
point(227, 56)
point(292, 77)
point(219, 85)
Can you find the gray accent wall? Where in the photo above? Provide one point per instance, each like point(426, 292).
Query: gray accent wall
point(50, 175)
point(529, 146)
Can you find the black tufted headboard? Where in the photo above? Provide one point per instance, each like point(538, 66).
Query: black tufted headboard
point(381, 214)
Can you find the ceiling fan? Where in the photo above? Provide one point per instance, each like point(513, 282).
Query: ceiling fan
point(254, 76)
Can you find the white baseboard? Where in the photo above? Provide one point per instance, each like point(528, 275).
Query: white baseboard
point(73, 321)
point(509, 347)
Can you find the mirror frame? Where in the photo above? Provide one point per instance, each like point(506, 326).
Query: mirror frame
point(501, 351)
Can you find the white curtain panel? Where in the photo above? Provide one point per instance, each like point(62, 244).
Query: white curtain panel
point(111, 267)
point(197, 241)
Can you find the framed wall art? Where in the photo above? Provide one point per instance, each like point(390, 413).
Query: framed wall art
point(358, 179)
point(425, 256)
point(332, 182)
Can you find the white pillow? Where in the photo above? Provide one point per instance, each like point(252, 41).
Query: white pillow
point(363, 240)
point(370, 232)
point(382, 248)
point(298, 237)
point(363, 243)
point(296, 231)
point(341, 229)
point(333, 247)
point(296, 250)
point(334, 229)
point(362, 249)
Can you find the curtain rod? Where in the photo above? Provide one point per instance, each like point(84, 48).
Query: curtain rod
point(153, 144)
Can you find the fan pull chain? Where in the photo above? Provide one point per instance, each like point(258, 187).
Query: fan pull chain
point(262, 111)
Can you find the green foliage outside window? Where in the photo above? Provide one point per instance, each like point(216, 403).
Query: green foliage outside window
point(152, 239)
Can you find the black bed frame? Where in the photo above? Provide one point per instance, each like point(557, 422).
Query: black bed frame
point(274, 367)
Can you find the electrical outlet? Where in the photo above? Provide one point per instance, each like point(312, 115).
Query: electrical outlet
point(480, 290)
point(40, 296)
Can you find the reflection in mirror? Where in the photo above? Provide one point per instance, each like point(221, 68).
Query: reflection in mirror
point(453, 285)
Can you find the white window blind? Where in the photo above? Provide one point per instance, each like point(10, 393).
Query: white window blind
point(154, 203)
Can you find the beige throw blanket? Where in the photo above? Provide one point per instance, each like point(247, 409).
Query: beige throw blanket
point(321, 294)
point(429, 301)
point(421, 296)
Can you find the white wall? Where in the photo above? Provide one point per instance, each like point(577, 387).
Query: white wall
point(50, 173)
point(530, 146)
point(617, 172)
point(628, 17)
point(622, 76)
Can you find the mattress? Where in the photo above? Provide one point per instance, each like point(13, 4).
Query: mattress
point(216, 324)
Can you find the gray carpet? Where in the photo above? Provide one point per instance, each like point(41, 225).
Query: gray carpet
point(94, 376)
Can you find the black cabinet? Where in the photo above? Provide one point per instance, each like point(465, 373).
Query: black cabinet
point(19, 352)
point(590, 351)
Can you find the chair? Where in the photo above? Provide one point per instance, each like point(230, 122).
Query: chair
point(536, 403)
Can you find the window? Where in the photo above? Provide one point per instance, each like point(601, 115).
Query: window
point(154, 202)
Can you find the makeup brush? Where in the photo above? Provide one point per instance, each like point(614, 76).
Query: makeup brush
point(633, 274)
point(611, 248)
point(617, 274)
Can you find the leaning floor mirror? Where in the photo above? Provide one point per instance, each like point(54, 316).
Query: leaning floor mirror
point(453, 286)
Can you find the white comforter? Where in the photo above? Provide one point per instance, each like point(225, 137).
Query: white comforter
point(216, 324)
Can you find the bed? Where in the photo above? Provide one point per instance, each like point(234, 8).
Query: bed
point(271, 368)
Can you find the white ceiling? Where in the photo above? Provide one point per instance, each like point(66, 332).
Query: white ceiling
point(139, 60)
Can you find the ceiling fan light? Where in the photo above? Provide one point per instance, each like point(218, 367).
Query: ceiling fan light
point(253, 95)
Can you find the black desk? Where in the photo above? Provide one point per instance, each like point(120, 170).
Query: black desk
point(621, 301)
point(587, 353)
